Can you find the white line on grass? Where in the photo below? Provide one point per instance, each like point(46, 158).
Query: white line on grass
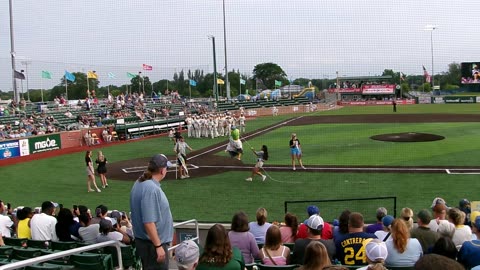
point(342, 168)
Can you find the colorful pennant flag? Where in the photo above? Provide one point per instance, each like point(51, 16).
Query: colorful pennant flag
point(111, 75)
point(147, 67)
point(242, 81)
point(92, 75)
point(19, 75)
point(278, 83)
point(220, 81)
point(193, 83)
point(130, 75)
point(69, 76)
point(46, 74)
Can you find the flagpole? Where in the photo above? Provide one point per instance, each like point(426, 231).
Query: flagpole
point(66, 87)
point(41, 88)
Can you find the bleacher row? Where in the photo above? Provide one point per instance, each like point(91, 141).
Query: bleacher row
point(18, 249)
point(262, 103)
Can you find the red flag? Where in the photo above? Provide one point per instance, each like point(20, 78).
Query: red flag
point(147, 67)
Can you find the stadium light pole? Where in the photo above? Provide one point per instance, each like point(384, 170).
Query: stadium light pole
point(16, 97)
point(431, 28)
point(215, 85)
point(225, 49)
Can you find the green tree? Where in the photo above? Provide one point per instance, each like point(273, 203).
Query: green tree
point(452, 77)
point(395, 75)
point(141, 83)
point(302, 81)
point(425, 87)
point(76, 89)
point(268, 73)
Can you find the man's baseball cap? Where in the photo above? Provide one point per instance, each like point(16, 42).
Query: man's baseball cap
point(160, 161)
point(314, 222)
point(387, 220)
point(313, 210)
point(438, 200)
point(463, 203)
point(375, 250)
point(187, 253)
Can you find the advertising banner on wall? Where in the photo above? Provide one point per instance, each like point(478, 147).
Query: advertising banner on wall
point(44, 143)
point(9, 149)
point(372, 89)
point(460, 99)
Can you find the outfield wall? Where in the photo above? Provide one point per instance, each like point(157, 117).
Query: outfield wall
point(43, 145)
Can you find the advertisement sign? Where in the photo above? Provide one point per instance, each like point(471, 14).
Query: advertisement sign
point(9, 149)
point(44, 143)
point(438, 100)
point(424, 99)
point(379, 102)
point(345, 90)
point(24, 149)
point(460, 99)
point(373, 89)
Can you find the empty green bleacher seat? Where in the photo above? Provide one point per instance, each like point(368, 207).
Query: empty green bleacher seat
point(92, 261)
point(20, 253)
point(16, 242)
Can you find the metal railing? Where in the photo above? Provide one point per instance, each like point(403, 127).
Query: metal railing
point(23, 263)
point(197, 232)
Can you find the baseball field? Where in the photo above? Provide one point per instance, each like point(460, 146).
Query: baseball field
point(342, 162)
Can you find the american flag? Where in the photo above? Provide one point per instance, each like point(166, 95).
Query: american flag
point(147, 67)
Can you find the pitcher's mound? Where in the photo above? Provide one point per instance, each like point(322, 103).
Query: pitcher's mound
point(407, 137)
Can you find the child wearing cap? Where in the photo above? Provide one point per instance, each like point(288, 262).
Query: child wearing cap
point(376, 253)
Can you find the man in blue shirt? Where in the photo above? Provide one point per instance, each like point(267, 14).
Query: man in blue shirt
point(151, 217)
point(350, 249)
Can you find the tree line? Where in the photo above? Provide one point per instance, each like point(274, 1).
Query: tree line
point(264, 76)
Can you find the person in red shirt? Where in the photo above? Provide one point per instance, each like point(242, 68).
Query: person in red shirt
point(327, 232)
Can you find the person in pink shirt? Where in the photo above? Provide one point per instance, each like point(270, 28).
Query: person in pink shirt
point(289, 230)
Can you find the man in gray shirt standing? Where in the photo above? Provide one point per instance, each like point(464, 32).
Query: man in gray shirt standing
point(151, 217)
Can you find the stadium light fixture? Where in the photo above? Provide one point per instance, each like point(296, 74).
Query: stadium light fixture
point(431, 28)
point(215, 84)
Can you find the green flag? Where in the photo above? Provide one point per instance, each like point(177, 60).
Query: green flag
point(278, 83)
point(130, 75)
point(46, 74)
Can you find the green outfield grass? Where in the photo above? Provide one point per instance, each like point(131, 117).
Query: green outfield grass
point(216, 198)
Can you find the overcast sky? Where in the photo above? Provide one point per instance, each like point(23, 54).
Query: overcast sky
point(307, 38)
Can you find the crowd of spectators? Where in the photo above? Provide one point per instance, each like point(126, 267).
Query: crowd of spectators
point(315, 244)
point(86, 113)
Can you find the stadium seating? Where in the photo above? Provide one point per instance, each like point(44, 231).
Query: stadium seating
point(38, 244)
point(59, 245)
point(129, 258)
point(92, 261)
point(17, 242)
point(5, 252)
point(20, 253)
